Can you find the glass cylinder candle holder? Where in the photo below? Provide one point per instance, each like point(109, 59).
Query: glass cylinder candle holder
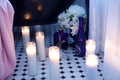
point(54, 56)
point(90, 47)
point(25, 34)
point(31, 57)
point(91, 67)
point(40, 45)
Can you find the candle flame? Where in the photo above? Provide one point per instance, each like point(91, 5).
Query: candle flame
point(54, 53)
point(39, 35)
point(92, 60)
point(90, 45)
point(30, 48)
point(25, 29)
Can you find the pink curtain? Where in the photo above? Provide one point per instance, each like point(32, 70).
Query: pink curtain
point(7, 51)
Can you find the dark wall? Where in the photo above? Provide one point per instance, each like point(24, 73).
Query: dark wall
point(31, 12)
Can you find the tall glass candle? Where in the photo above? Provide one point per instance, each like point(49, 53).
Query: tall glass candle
point(40, 45)
point(25, 34)
point(91, 67)
point(31, 56)
point(54, 56)
point(90, 47)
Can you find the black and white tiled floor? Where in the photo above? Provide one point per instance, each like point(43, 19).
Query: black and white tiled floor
point(72, 68)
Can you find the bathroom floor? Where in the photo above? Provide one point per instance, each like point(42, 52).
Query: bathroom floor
point(71, 67)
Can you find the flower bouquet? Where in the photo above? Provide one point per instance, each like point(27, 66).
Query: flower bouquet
point(72, 19)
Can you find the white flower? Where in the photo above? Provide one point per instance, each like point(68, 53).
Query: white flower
point(75, 28)
point(76, 10)
point(69, 18)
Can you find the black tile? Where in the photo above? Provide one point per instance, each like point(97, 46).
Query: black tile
point(24, 74)
point(82, 76)
point(43, 73)
point(71, 71)
point(43, 78)
point(63, 77)
point(33, 79)
point(81, 71)
point(72, 76)
point(62, 72)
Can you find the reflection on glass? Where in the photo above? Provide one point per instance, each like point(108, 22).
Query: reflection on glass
point(39, 7)
point(27, 16)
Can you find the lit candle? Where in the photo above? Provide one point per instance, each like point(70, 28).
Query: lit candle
point(25, 34)
point(40, 45)
point(31, 56)
point(90, 47)
point(54, 56)
point(91, 67)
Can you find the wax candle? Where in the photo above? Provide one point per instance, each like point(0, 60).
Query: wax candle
point(25, 34)
point(40, 45)
point(31, 57)
point(90, 47)
point(91, 67)
point(54, 56)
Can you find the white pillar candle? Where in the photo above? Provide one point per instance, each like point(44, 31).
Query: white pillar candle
point(91, 67)
point(31, 56)
point(40, 45)
point(90, 47)
point(54, 56)
point(25, 34)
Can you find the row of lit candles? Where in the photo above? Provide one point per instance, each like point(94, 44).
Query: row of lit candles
point(54, 55)
point(30, 47)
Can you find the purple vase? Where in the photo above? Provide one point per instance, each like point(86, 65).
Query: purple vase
point(80, 40)
point(61, 39)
